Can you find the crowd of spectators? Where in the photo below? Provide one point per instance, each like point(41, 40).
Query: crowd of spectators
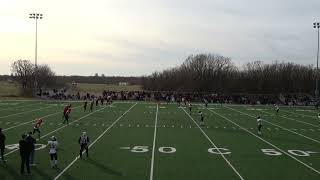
point(287, 99)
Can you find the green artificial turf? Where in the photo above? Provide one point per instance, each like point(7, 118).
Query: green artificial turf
point(126, 144)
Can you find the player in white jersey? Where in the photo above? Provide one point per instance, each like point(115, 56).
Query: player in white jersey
point(53, 147)
point(190, 107)
point(259, 123)
point(84, 142)
point(319, 116)
point(277, 108)
point(206, 102)
point(201, 118)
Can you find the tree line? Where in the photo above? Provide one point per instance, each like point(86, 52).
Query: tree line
point(198, 73)
point(33, 78)
point(218, 74)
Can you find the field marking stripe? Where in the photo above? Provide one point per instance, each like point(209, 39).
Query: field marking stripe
point(7, 104)
point(293, 119)
point(299, 114)
point(25, 112)
point(227, 161)
point(96, 140)
point(314, 140)
point(48, 115)
point(60, 128)
point(284, 152)
point(20, 106)
point(154, 143)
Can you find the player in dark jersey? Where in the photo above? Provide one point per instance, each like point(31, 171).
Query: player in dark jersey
point(97, 102)
point(91, 105)
point(66, 115)
point(66, 108)
point(101, 100)
point(85, 106)
point(36, 127)
point(168, 99)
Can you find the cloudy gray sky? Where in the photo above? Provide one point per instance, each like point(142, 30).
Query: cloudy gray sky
point(137, 37)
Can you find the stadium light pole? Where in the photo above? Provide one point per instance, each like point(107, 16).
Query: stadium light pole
point(36, 16)
point(316, 25)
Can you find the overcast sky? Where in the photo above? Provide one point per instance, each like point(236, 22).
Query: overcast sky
point(137, 37)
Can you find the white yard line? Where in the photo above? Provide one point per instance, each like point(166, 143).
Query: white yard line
point(19, 107)
point(227, 161)
point(154, 144)
point(310, 124)
point(315, 117)
point(7, 104)
point(34, 120)
point(24, 112)
point(274, 146)
point(314, 140)
point(60, 128)
point(101, 135)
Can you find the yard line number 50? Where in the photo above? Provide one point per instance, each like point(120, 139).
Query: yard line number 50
point(224, 151)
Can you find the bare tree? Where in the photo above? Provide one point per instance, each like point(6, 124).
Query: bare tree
point(45, 76)
point(23, 70)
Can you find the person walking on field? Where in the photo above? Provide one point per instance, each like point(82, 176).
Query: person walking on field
point(84, 142)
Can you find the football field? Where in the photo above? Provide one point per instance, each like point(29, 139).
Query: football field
point(146, 141)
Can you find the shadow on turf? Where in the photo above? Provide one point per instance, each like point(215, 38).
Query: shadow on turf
point(104, 168)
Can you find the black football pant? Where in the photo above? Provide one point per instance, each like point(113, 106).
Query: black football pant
point(84, 147)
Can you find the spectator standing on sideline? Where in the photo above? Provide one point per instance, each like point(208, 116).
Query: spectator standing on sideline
point(32, 146)
point(24, 154)
point(2, 144)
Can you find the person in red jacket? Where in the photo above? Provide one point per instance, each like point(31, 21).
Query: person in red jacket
point(36, 127)
point(66, 113)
